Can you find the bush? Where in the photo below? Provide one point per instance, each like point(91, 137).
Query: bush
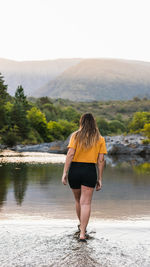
point(33, 138)
point(103, 126)
point(38, 121)
point(10, 137)
point(70, 114)
point(67, 127)
point(146, 141)
point(61, 129)
point(55, 130)
point(146, 130)
point(116, 126)
point(138, 121)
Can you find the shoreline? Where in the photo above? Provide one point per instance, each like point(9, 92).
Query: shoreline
point(11, 156)
point(130, 144)
point(16, 218)
point(55, 243)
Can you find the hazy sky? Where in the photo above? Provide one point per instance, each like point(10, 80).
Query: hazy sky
point(49, 29)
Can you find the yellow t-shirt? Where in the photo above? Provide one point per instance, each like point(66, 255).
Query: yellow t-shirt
point(87, 155)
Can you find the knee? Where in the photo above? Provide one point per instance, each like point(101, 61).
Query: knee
point(85, 202)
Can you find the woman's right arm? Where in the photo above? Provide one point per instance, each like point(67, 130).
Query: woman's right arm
point(100, 166)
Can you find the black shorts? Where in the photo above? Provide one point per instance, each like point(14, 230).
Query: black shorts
point(82, 173)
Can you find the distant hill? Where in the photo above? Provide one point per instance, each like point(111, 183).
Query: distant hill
point(79, 79)
point(32, 74)
point(101, 79)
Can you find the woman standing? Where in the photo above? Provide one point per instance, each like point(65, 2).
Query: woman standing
point(86, 150)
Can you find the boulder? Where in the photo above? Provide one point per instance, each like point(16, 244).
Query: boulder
point(116, 145)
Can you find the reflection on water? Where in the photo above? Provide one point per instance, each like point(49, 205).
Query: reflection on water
point(142, 168)
point(35, 189)
point(37, 226)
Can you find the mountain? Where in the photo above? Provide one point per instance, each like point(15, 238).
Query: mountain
point(79, 79)
point(101, 79)
point(32, 74)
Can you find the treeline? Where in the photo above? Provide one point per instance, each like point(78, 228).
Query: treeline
point(36, 120)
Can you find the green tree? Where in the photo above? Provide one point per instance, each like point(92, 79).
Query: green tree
point(38, 121)
point(19, 113)
point(116, 126)
point(103, 126)
point(61, 129)
point(55, 130)
point(51, 112)
point(3, 99)
point(70, 114)
point(67, 127)
point(138, 121)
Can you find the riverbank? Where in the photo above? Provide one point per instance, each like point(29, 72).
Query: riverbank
point(130, 144)
point(32, 242)
point(11, 156)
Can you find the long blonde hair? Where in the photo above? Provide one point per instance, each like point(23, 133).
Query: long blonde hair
point(88, 133)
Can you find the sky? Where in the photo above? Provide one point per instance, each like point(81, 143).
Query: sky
point(51, 29)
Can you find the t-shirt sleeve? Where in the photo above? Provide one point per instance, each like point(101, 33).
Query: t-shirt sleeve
point(72, 142)
point(103, 149)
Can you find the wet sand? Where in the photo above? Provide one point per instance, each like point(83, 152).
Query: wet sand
point(9, 156)
point(48, 242)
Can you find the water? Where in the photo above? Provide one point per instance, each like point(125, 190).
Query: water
point(38, 222)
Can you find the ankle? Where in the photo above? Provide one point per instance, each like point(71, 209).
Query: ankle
point(82, 236)
point(82, 233)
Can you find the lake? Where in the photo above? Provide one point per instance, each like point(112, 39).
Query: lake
point(35, 208)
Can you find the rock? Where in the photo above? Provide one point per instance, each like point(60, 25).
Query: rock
point(129, 144)
point(52, 147)
point(116, 145)
point(2, 147)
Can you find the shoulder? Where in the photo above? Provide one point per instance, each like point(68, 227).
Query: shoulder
point(72, 135)
point(101, 139)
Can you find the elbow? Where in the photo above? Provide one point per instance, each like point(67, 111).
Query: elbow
point(71, 154)
point(101, 160)
point(71, 157)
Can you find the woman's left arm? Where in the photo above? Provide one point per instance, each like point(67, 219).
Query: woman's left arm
point(69, 158)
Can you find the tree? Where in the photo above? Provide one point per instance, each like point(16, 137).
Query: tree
point(3, 99)
point(138, 121)
point(70, 114)
point(61, 129)
point(38, 121)
point(116, 126)
point(21, 98)
point(19, 113)
point(67, 127)
point(103, 126)
point(55, 130)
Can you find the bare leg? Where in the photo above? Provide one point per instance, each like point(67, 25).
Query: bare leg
point(77, 194)
point(85, 203)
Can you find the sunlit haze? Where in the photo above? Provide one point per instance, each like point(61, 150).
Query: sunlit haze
point(49, 29)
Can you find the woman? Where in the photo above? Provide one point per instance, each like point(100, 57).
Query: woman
point(86, 150)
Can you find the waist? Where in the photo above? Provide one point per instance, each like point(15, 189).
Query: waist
point(76, 163)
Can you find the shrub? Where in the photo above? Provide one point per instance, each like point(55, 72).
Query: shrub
point(67, 127)
point(116, 126)
point(38, 121)
point(146, 141)
point(10, 136)
point(103, 126)
point(138, 121)
point(55, 130)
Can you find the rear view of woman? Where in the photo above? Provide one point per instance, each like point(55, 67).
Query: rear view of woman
point(86, 150)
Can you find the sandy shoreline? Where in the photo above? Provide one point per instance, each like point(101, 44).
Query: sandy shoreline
point(52, 242)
